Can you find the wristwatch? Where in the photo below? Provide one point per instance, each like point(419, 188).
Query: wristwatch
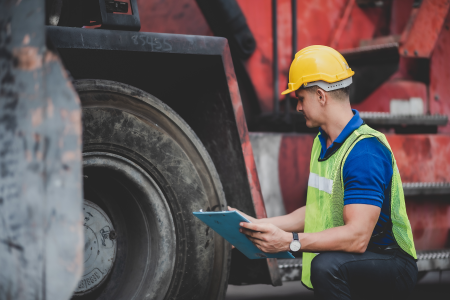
point(295, 244)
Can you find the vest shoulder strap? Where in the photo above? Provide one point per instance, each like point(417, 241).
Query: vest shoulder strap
point(315, 151)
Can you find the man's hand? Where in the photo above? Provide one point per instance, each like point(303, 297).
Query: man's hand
point(267, 237)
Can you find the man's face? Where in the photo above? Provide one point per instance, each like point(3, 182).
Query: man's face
point(309, 105)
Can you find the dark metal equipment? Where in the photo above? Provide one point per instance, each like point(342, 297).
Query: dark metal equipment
point(227, 20)
point(106, 14)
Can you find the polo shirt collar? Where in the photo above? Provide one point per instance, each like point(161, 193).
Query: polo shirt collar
point(351, 126)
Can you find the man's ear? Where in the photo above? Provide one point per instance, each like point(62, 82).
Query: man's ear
point(322, 96)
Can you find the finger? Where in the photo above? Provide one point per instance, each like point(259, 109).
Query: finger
point(259, 246)
point(247, 232)
point(232, 247)
point(256, 242)
point(253, 234)
point(231, 209)
point(262, 227)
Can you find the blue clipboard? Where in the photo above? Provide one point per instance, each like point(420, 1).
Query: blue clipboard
point(226, 223)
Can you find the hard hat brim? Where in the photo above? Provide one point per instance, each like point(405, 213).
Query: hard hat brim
point(287, 91)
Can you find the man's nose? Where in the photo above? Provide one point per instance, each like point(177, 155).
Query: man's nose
point(299, 106)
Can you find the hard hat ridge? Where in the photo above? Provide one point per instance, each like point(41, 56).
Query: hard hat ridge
point(319, 65)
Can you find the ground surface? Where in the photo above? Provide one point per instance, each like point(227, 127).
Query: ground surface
point(428, 288)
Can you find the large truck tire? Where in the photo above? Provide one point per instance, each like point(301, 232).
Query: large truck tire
point(145, 172)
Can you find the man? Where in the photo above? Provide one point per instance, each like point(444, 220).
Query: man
point(354, 231)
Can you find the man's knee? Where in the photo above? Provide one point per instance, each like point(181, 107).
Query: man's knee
point(324, 267)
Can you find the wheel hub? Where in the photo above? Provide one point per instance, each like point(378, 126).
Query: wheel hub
point(99, 248)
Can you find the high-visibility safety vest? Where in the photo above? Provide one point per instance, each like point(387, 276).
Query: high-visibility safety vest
point(325, 199)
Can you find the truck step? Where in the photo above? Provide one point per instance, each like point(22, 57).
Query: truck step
point(434, 260)
point(426, 188)
point(290, 269)
point(289, 263)
point(387, 119)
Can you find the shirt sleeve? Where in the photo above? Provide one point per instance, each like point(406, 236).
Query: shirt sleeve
point(367, 173)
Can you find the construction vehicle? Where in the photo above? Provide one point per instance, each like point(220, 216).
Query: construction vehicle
point(121, 118)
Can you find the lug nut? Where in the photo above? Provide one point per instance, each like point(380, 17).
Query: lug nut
point(112, 235)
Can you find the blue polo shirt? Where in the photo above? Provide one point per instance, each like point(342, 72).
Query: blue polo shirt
point(367, 177)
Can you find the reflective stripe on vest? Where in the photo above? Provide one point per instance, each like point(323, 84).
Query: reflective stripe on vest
point(320, 183)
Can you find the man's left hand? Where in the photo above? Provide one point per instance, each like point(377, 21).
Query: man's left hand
point(267, 237)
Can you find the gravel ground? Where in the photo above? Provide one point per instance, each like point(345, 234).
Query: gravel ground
point(434, 285)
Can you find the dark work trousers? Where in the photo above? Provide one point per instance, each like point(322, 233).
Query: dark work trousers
point(390, 274)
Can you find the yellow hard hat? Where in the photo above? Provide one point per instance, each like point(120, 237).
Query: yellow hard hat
point(319, 65)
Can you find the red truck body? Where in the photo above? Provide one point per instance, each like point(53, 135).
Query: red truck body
point(421, 36)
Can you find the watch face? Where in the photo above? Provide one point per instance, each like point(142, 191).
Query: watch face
point(295, 245)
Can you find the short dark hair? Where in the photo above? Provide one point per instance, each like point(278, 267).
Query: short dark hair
point(339, 94)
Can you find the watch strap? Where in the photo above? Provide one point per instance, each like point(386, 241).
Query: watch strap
point(295, 235)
